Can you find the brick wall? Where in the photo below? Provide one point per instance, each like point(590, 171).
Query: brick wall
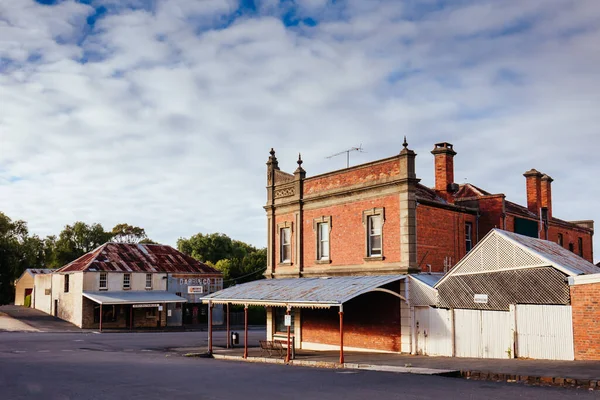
point(585, 301)
point(440, 234)
point(354, 176)
point(371, 321)
point(347, 241)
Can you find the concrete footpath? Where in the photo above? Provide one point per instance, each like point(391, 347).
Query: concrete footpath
point(8, 323)
point(582, 374)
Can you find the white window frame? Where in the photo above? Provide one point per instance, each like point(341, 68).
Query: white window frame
point(126, 282)
point(283, 245)
point(149, 281)
point(368, 217)
point(468, 236)
point(105, 280)
point(375, 251)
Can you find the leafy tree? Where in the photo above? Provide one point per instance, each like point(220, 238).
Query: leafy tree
point(78, 239)
point(12, 260)
point(238, 261)
point(125, 233)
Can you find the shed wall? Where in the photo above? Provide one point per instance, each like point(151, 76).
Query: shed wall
point(543, 285)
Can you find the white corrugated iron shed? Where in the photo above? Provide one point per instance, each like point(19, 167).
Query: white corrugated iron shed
point(302, 292)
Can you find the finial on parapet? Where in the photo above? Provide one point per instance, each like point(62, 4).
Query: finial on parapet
point(405, 144)
point(299, 169)
point(273, 160)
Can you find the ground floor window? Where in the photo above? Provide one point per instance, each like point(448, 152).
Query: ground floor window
point(280, 320)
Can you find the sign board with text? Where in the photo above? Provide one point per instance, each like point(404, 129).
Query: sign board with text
point(287, 320)
point(480, 298)
point(195, 289)
point(145, 305)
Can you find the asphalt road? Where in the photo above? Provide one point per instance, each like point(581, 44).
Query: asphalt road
point(144, 366)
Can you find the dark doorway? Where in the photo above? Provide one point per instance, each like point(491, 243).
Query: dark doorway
point(56, 308)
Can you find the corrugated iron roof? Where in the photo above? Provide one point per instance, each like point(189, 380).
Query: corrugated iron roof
point(35, 271)
point(327, 291)
point(134, 297)
point(428, 279)
point(557, 255)
point(127, 257)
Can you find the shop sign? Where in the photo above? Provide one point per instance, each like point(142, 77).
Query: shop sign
point(145, 305)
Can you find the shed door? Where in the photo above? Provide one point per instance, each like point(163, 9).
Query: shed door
point(483, 334)
point(545, 332)
point(434, 331)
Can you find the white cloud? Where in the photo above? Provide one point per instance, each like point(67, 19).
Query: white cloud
point(169, 122)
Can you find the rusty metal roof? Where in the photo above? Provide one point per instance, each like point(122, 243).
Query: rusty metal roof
point(302, 292)
point(126, 257)
point(558, 256)
point(35, 271)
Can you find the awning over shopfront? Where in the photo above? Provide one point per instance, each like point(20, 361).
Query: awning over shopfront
point(291, 293)
point(145, 297)
point(303, 292)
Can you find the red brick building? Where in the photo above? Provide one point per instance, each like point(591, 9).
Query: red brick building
point(376, 218)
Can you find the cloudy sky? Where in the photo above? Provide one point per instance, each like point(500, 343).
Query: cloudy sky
point(161, 113)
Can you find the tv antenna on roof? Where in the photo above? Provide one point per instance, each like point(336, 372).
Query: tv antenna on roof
point(359, 149)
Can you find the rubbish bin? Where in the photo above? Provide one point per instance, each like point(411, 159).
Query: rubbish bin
point(235, 338)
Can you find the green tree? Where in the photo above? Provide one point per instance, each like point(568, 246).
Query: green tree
point(238, 261)
point(78, 239)
point(13, 235)
point(125, 233)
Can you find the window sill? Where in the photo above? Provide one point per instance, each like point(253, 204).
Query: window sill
point(103, 289)
point(285, 264)
point(148, 288)
point(323, 261)
point(126, 288)
point(376, 258)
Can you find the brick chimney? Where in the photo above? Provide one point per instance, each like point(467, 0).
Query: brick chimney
point(444, 167)
point(546, 192)
point(534, 190)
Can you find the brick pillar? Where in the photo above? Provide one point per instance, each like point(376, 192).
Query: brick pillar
point(408, 209)
point(534, 190)
point(546, 194)
point(444, 168)
point(272, 166)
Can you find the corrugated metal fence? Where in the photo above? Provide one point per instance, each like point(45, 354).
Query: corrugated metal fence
point(526, 331)
point(544, 332)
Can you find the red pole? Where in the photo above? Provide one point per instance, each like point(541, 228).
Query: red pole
point(246, 331)
point(100, 317)
point(341, 335)
point(287, 355)
point(210, 336)
point(228, 333)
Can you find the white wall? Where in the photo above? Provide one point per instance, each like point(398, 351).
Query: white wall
point(40, 300)
point(69, 304)
point(115, 281)
point(26, 282)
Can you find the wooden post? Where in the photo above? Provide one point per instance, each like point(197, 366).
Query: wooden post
point(246, 331)
point(100, 317)
point(341, 334)
point(228, 330)
point(289, 328)
point(210, 336)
